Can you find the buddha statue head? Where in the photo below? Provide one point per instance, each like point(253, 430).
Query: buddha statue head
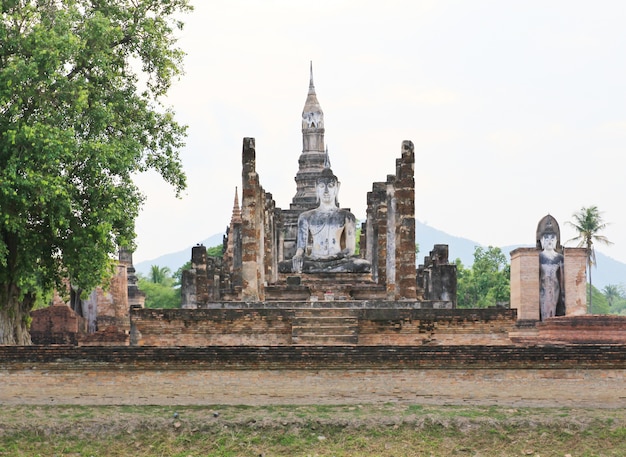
point(549, 234)
point(327, 188)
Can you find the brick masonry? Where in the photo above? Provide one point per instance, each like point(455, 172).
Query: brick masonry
point(273, 326)
point(557, 376)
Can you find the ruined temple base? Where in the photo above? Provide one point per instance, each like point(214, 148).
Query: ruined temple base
point(556, 376)
point(318, 287)
point(588, 329)
point(331, 323)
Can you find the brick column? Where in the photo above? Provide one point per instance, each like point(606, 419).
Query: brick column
point(404, 185)
point(390, 249)
point(251, 235)
point(525, 283)
point(376, 233)
point(575, 266)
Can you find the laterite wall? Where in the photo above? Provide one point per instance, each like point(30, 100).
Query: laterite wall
point(580, 376)
point(272, 326)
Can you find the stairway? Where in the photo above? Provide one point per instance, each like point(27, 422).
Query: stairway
point(325, 327)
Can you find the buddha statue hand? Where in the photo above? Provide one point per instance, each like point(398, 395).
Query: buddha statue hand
point(298, 261)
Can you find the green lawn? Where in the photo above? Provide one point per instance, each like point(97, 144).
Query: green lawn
point(363, 430)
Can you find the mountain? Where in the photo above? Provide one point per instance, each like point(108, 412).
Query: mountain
point(175, 260)
point(458, 248)
point(608, 270)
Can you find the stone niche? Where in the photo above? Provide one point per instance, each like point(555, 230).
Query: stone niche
point(526, 277)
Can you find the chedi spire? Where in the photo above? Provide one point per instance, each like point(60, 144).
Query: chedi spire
point(314, 154)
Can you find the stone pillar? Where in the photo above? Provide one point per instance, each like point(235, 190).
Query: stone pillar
point(390, 249)
point(270, 254)
point(575, 266)
point(119, 294)
point(400, 265)
point(525, 283)
point(135, 296)
point(251, 230)
point(232, 251)
point(194, 287)
point(237, 261)
point(275, 240)
point(404, 185)
point(437, 276)
point(376, 232)
point(188, 289)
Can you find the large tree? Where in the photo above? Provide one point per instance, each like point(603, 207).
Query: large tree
point(588, 223)
point(81, 83)
point(487, 282)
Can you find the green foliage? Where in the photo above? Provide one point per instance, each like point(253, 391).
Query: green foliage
point(161, 288)
point(600, 303)
point(160, 295)
point(80, 84)
point(615, 296)
point(357, 245)
point(160, 275)
point(588, 222)
point(487, 282)
point(215, 251)
point(178, 274)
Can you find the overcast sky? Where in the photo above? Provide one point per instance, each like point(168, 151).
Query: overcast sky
point(516, 110)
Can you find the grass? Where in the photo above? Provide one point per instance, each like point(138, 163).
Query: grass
point(315, 430)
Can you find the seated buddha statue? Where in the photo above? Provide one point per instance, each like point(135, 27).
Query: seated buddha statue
point(332, 232)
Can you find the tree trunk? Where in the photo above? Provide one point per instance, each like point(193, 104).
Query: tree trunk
point(590, 290)
point(14, 316)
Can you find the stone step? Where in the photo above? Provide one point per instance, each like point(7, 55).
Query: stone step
point(325, 327)
point(326, 330)
point(325, 312)
point(325, 340)
point(324, 321)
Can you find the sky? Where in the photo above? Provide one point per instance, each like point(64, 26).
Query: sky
point(516, 110)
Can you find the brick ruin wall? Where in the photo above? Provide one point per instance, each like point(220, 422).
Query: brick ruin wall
point(273, 326)
point(261, 236)
point(558, 376)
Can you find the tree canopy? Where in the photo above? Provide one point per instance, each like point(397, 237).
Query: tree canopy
point(161, 289)
point(487, 282)
point(81, 83)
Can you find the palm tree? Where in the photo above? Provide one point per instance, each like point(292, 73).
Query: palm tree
point(588, 223)
point(613, 294)
point(159, 275)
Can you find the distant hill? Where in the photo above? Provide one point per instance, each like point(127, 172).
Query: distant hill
point(608, 271)
point(175, 260)
point(458, 248)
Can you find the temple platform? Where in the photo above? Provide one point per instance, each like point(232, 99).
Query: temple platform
point(328, 323)
point(319, 287)
point(588, 329)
